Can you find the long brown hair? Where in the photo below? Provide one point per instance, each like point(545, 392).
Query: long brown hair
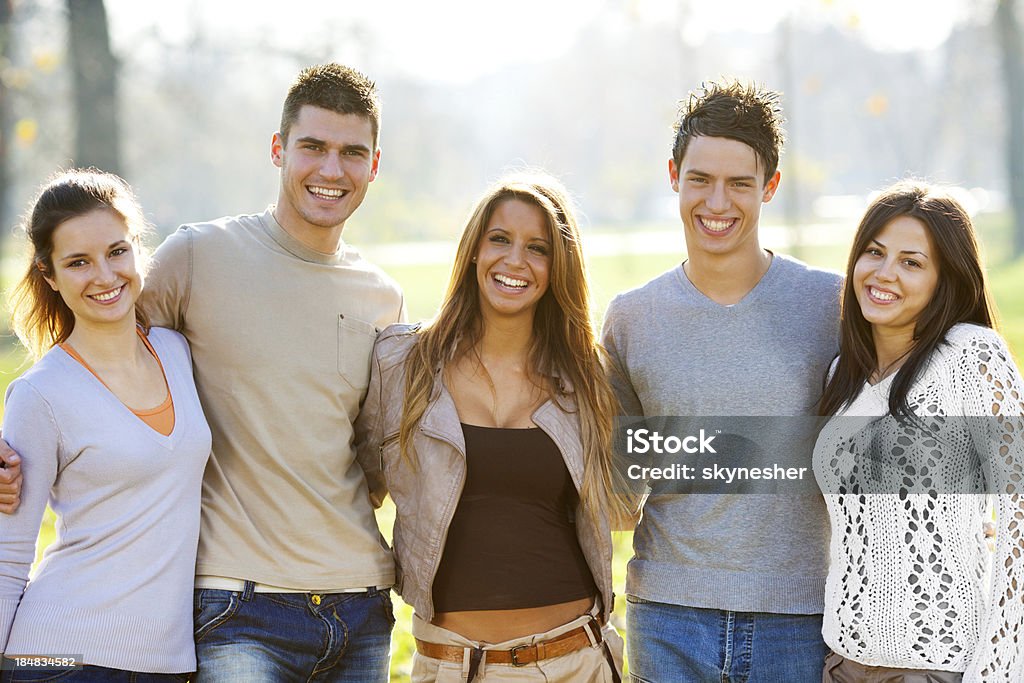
point(39, 315)
point(961, 295)
point(564, 344)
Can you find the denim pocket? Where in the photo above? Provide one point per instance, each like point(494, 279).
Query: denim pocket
point(213, 608)
point(387, 605)
point(355, 349)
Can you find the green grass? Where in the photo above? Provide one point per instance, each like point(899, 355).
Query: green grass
point(424, 285)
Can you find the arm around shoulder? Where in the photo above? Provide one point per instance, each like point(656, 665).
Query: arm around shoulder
point(165, 297)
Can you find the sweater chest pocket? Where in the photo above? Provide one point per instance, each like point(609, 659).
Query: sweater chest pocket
point(355, 348)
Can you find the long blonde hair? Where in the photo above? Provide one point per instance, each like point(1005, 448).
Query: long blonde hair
point(564, 344)
point(39, 315)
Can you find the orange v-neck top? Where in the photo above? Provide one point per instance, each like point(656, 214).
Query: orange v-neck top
point(160, 418)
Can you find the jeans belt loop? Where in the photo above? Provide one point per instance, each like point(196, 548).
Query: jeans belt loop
point(248, 589)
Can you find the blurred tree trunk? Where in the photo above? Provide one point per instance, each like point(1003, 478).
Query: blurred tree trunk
point(94, 75)
point(6, 115)
point(1013, 80)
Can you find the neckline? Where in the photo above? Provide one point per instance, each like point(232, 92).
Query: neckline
point(77, 362)
point(752, 295)
point(276, 232)
point(882, 382)
point(70, 350)
point(500, 429)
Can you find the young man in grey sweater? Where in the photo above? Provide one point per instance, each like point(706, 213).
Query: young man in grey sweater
point(726, 586)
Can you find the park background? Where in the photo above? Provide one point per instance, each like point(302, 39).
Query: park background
point(182, 99)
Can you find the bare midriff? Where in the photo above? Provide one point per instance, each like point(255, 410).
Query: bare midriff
point(497, 625)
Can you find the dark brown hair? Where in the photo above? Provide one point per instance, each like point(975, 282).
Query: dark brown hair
point(39, 315)
point(748, 113)
point(334, 87)
point(960, 295)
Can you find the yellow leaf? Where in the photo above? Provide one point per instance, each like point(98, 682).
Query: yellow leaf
point(877, 104)
point(25, 132)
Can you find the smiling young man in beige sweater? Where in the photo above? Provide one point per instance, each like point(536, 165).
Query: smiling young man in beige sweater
point(293, 577)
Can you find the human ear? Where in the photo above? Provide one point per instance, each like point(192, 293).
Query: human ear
point(770, 187)
point(49, 280)
point(277, 150)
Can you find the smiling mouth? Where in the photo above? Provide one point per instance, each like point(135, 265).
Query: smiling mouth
point(717, 224)
point(510, 282)
point(327, 193)
point(880, 296)
point(104, 297)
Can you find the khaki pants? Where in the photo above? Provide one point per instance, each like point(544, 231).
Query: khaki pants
point(587, 665)
point(838, 669)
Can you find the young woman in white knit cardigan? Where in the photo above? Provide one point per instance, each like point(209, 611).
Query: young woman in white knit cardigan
point(111, 434)
point(925, 403)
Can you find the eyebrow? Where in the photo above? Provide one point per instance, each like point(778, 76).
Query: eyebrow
point(354, 147)
point(532, 239)
point(904, 251)
point(704, 174)
point(81, 254)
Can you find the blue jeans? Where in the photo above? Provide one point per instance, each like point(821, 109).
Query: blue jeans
point(88, 674)
point(677, 644)
point(249, 637)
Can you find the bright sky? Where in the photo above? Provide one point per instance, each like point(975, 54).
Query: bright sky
point(458, 40)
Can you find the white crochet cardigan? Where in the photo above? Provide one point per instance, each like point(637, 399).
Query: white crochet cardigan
point(911, 582)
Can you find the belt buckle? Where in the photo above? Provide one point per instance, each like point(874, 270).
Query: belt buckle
point(514, 653)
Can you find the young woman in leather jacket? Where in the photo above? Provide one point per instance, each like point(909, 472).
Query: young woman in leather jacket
point(492, 426)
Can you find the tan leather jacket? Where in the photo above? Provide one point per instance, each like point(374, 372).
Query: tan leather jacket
point(426, 495)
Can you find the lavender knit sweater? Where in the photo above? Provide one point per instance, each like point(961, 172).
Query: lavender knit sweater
point(116, 586)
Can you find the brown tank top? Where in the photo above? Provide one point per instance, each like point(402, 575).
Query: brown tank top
point(512, 543)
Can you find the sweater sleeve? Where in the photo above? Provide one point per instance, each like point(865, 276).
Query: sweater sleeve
point(993, 389)
point(618, 372)
point(31, 430)
point(168, 287)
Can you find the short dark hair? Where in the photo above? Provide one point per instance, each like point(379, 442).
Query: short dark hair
point(334, 87)
point(961, 295)
point(748, 113)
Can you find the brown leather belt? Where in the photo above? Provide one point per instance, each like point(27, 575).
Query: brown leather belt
point(570, 641)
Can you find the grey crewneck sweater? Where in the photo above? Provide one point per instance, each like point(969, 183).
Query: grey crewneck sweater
point(677, 352)
point(116, 586)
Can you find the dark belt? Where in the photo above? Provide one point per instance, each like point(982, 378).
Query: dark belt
point(570, 641)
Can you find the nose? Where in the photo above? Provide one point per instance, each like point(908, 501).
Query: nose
point(331, 168)
point(104, 273)
point(718, 199)
point(886, 270)
point(516, 255)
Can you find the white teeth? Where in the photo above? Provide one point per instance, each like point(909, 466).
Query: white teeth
point(716, 225)
point(510, 282)
point(107, 296)
point(882, 296)
point(326, 192)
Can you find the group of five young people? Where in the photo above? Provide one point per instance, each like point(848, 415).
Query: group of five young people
point(491, 428)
